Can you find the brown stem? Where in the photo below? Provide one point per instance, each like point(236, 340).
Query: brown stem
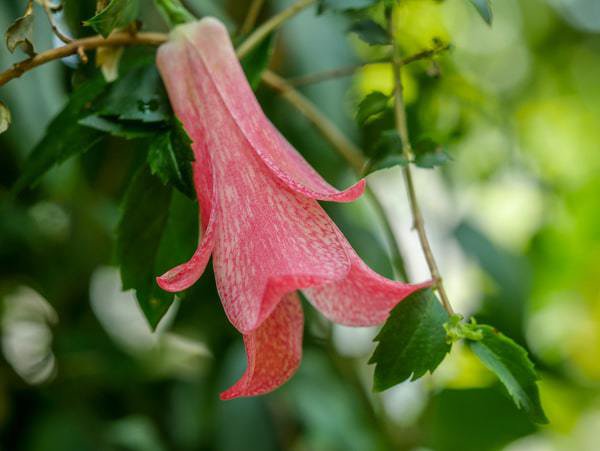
point(274, 22)
point(93, 42)
point(48, 8)
point(250, 20)
point(402, 128)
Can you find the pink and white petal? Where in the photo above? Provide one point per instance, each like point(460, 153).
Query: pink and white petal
point(273, 351)
point(209, 46)
point(363, 298)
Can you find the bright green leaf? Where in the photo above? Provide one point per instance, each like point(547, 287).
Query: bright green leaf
point(257, 60)
point(20, 33)
point(510, 363)
point(374, 103)
point(412, 341)
point(170, 158)
point(371, 32)
point(117, 14)
point(142, 224)
point(64, 137)
point(484, 8)
point(5, 117)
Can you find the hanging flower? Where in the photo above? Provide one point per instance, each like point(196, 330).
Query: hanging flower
point(260, 219)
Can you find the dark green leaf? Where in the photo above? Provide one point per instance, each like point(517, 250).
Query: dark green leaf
point(121, 129)
point(484, 9)
point(412, 341)
point(344, 5)
point(510, 363)
point(429, 154)
point(255, 62)
point(387, 162)
point(5, 117)
point(374, 103)
point(142, 224)
point(170, 158)
point(20, 34)
point(137, 96)
point(117, 14)
point(371, 32)
point(65, 137)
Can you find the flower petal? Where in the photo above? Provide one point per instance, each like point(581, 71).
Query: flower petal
point(363, 298)
point(274, 351)
point(176, 73)
point(210, 46)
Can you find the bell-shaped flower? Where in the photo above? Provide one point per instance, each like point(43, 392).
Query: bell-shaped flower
point(260, 219)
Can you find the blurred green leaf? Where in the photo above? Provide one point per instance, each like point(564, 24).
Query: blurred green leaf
point(387, 162)
point(255, 62)
point(411, 342)
point(143, 221)
point(20, 32)
point(484, 8)
point(64, 137)
point(170, 158)
point(139, 95)
point(374, 103)
point(117, 14)
point(510, 363)
point(344, 5)
point(429, 154)
point(5, 117)
point(371, 32)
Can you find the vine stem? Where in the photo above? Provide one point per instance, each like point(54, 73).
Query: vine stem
point(402, 128)
point(251, 16)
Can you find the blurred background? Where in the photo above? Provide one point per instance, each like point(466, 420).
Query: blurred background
point(514, 220)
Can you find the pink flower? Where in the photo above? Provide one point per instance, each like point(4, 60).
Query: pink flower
point(260, 219)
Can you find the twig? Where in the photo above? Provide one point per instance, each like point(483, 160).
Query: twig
point(93, 42)
point(274, 22)
point(251, 17)
point(346, 71)
point(48, 8)
point(402, 128)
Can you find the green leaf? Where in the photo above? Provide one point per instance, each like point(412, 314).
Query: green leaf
point(255, 62)
point(374, 103)
point(344, 5)
point(429, 154)
point(371, 32)
point(137, 96)
point(174, 12)
point(20, 33)
point(170, 158)
point(121, 129)
point(5, 117)
point(64, 137)
point(510, 363)
point(142, 224)
point(484, 8)
point(387, 162)
point(412, 341)
point(117, 14)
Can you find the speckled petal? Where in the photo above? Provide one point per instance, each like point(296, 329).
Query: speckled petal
point(273, 351)
point(210, 46)
point(363, 298)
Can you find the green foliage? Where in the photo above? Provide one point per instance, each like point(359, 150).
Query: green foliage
point(20, 33)
point(142, 224)
point(412, 341)
point(484, 8)
point(117, 14)
point(169, 157)
point(371, 32)
point(174, 12)
point(257, 60)
point(120, 129)
point(374, 103)
point(344, 5)
point(510, 363)
point(5, 117)
point(429, 154)
point(72, 138)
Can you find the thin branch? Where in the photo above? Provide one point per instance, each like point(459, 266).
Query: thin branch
point(93, 42)
point(50, 10)
point(346, 71)
point(402, 128)
point(250, 20)
point(274, 22)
